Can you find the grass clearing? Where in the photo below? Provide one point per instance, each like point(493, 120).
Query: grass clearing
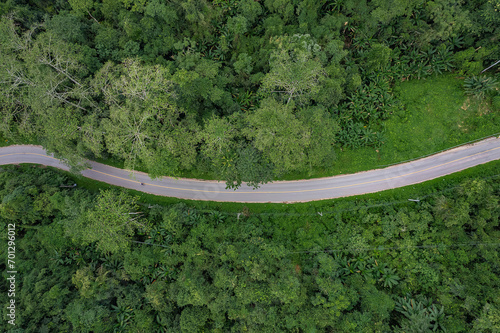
point(437, 115)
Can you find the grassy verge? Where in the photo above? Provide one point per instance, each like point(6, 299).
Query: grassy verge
point(416, 191)
point(437, 115)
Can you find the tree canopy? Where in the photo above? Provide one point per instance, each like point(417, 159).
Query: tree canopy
point(151, 83)
point(103, 261)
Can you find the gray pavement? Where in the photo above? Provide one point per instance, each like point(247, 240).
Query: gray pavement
point(400, 175)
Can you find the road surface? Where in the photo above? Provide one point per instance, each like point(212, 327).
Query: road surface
point(400, 175)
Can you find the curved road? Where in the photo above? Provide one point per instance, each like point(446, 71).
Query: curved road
point(417, 171)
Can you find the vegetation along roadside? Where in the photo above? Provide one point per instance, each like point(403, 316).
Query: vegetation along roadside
point(372, 263)
point(243, 90)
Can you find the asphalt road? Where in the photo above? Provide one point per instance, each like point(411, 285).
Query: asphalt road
point(281, 191)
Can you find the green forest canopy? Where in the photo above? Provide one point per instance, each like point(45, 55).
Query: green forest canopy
point(248, 91)
point(244, 90)
point(105, 262)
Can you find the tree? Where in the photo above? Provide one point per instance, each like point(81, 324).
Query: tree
point(378, 303)
point(295, 73)
point(331, 299)
point(142, 113)
point(247, 164)
point(59, 25)
point(218, 138)
point(251, 10)
point(133, 83)
point(332, 87)
point(237, 25)
point(82, 7)
point(449, 18)
point(86, 315)
point(279, 135)
point(286, 9)
point(197, 16)
point(110, 222)
point(243, 64)
point(44, 89)
point(489, 319)
point(130, 134)
point(193, 318)
point(56, 71)
point(323, 129)
point(377, 57)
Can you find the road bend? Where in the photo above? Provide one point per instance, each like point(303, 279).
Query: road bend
point(395, 176)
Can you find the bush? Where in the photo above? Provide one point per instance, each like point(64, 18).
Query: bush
point(479, 86)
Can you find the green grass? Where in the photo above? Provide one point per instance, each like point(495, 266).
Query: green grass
point(437, 115)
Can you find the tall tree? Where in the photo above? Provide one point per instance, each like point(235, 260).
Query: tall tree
point(295, 73)
point(218, 138)
point(143, 116)
point(323, 129)
point(43, 85)
point(279, 135)
point(110, 222)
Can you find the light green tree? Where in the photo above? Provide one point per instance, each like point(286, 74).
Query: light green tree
point(142, 114)
point(295, 72)
point(218, 138)
point(110, 222)
point(488, 320)
point(279, 135)
point(323, 129)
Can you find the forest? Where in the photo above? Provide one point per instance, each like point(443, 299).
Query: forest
point(106, 261)
point(234, 90)
point(246, 91)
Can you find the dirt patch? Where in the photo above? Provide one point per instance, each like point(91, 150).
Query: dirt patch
point(462, 127)
point(466, 104)
point(483, 108)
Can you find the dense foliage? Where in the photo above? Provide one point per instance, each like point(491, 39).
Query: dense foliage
point(357, 267)
point(244, 90)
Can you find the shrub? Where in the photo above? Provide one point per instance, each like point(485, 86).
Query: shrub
point(479, 86)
